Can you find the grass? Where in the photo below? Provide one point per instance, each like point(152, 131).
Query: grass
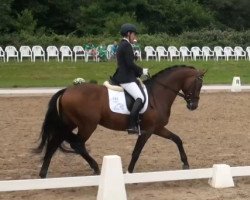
point(58, 74)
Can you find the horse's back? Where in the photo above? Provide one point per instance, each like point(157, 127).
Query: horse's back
point(84, 93)
point(84, 99)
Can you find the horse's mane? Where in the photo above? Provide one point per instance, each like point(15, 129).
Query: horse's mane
point(167, 71)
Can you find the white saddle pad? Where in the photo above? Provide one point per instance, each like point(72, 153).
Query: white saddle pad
point(117, 102)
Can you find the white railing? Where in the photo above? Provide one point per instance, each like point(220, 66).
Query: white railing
point(235, 87)
point(112, 181)
point(50, 183)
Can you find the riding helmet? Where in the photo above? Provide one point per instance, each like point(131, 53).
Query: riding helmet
point(125, 28)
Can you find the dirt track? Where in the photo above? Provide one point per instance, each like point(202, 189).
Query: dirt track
point(217, 132)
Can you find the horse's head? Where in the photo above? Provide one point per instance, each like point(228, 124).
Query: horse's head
point(180, 77)
point(191, 89)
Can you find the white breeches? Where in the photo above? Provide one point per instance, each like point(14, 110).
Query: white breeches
point(133, 89)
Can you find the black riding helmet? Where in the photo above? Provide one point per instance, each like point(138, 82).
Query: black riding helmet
point(125, 28)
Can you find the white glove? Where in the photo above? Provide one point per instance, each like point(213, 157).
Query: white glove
point(145, 71)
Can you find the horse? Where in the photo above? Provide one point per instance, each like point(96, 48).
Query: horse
point(86, 106)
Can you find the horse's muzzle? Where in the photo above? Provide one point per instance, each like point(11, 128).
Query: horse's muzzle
point(192, 105)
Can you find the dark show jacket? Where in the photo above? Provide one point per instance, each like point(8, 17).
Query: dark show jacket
point(127, 71)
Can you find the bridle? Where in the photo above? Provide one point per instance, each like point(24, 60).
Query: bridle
point(190, 95)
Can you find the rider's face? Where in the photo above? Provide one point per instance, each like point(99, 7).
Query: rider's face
point(132, 37)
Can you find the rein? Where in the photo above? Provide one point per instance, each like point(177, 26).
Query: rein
point(169, 88)
point(184, 96)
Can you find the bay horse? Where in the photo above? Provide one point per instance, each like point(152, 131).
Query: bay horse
point(86, 105)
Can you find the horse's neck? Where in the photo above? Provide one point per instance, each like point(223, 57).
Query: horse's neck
point(177, 79)
point(166, 95)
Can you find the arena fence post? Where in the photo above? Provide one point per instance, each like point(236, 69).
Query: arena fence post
point(221, 177)
point(236, 84)
point(111, 185)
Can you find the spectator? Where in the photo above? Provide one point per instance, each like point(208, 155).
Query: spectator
point(114, 50)
point(102, 52)
point(90, 49)
point(136, 49)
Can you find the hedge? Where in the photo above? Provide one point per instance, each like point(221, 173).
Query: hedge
point(189, 39)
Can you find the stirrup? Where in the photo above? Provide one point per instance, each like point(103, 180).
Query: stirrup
point(134, 130)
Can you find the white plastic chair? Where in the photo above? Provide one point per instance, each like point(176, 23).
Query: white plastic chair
point(248, 52)
point(161, 52)
point(196, 52)
point(137, 54)
point(173, 52)
point(38, 51)
point(52, 52)
point(239, 52)
point(185, 53)
point(207, 53)
point(25, 51)
point(150, 52)
point(229, 53)
point(2, 54)
point(66, 52)
point(219, 52)
point(79, 52)
point(11, 52)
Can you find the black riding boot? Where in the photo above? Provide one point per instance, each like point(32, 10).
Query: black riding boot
point(133, 118)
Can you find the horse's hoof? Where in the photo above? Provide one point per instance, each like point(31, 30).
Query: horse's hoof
point(42, 175)
point(185, 166)
point(97, 173)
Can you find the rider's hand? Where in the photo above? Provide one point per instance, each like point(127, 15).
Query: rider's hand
point(145, 71)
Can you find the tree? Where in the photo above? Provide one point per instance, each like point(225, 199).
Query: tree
point(25, 22)
point(231, 13)
point(173, 16)
point(6, 20)
point(92, 19)
point(96, 17)
point(59, 16)
point(63, 15)
point(100, 17)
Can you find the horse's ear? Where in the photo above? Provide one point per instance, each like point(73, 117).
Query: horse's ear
point(202, 72)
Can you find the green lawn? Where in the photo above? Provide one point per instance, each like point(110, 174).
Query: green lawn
point(58, 74)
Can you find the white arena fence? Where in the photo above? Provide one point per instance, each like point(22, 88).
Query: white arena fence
point(111, 182)
point(235, 87)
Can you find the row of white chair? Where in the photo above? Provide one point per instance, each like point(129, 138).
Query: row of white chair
point(196, 52)
point(172, 52)
point(51, 52)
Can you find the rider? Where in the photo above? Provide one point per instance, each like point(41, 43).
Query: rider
point(127, 72)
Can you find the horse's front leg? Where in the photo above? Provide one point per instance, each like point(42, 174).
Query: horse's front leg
point(165, 133)
point(141, 141)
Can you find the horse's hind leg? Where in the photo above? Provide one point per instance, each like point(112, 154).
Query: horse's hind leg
point(165, 133)
point(52, 146)
point(78, 144)
point(141, 141)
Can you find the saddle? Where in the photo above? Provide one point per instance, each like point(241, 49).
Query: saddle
point(121, 101)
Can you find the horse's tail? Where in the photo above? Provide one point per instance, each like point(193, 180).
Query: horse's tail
point(53, 126)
